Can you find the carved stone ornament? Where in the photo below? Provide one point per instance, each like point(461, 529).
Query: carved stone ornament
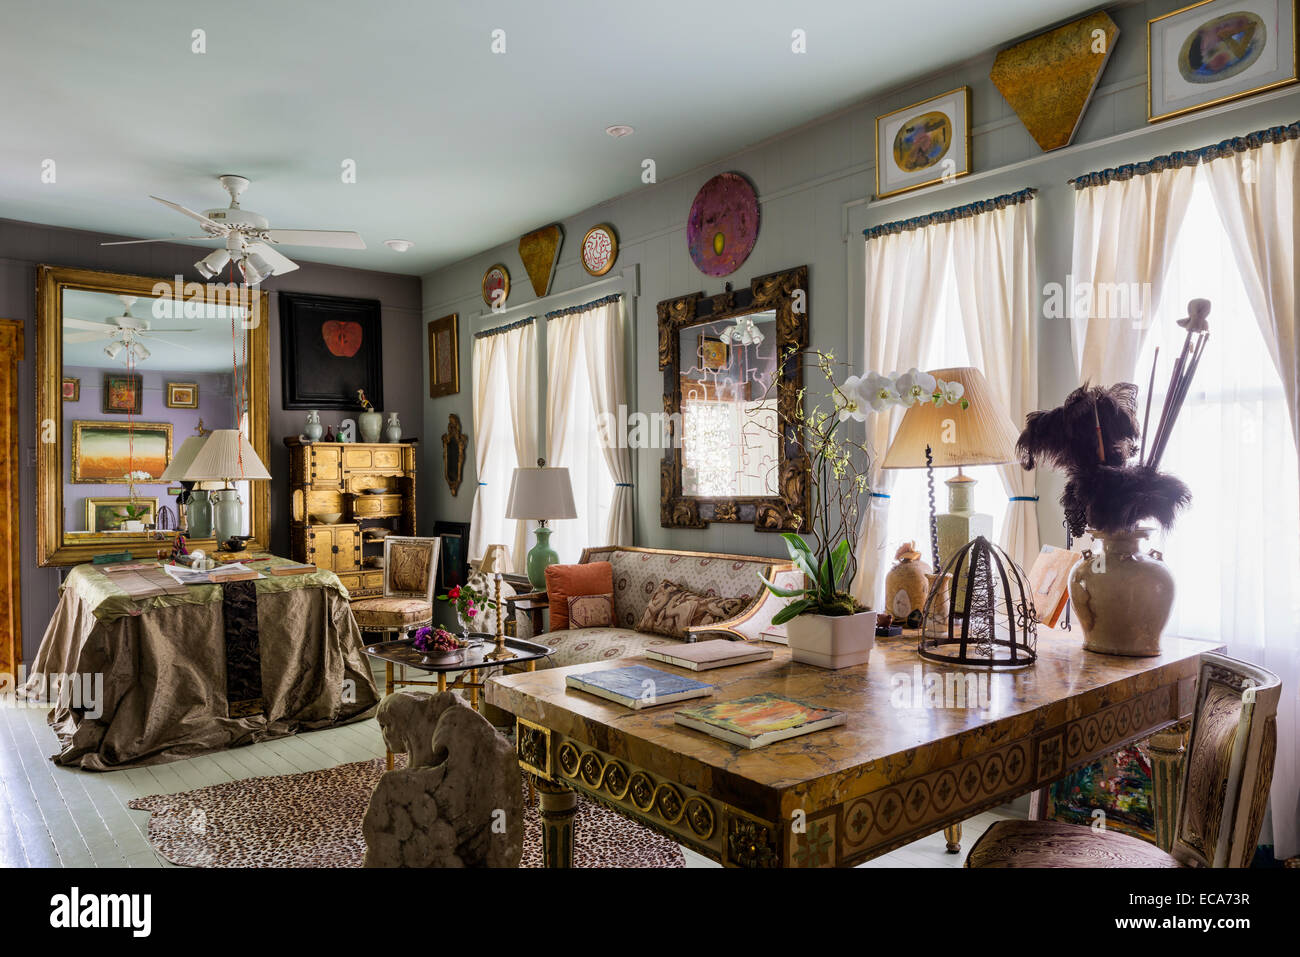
point(786, 293)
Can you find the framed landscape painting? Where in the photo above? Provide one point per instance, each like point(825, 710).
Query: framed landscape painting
point(923, 144)
point(108, 514)
point(1216, 51)
point(329, 348)
point(103, 452)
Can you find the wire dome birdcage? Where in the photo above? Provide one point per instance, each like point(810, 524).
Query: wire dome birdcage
point(980, 611)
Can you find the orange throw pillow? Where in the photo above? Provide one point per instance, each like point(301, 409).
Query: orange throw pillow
point(566, 581)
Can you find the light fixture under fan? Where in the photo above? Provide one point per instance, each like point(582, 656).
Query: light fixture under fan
point(248, 236)
point(125, 333)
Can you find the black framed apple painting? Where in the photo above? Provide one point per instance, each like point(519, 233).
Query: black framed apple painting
point(330, 347)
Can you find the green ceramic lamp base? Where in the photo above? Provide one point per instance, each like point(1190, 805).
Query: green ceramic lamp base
point(540, 556)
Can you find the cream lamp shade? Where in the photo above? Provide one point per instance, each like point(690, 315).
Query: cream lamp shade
point(496, 560)
point(226, 456)
point(179, 466)
point(981, 434)
point(541, 494)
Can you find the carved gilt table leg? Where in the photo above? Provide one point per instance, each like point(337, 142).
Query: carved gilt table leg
point(559, 805)
point(1167, 749)
point(953, 836)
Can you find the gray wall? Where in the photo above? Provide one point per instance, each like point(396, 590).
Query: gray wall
point(23, 246)
point(814, 185)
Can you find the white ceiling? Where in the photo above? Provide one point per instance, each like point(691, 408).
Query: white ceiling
point(456, 148)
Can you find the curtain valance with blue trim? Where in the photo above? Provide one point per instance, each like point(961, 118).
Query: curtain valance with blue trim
point(509, 327)
point(950, 215)
point(1181, 158)
point(570, 310)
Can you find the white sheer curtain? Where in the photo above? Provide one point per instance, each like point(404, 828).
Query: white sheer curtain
point(904, 278)
point(1117, 274)
point(1258, 204)
point(584, 380)
point(993, 261)
point(504, 364)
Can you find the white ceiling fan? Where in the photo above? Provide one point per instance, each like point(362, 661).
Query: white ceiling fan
point(125, 332)
point(249, 237)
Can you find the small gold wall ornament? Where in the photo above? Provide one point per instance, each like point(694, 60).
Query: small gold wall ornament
point(453, 453)
point(540, 251)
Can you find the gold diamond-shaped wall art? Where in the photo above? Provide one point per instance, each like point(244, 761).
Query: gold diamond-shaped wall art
point(540, 251)
point(1049, 79)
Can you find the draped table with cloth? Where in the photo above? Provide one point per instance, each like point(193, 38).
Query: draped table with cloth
point(145, 680)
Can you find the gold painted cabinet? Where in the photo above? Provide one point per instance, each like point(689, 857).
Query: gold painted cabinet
point(370, 485)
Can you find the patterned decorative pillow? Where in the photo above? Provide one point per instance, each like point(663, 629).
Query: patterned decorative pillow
point(591, 611)
point(672, 609)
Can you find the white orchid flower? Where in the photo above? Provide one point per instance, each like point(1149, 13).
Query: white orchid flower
point(880, 391)
point(853, 407)
point(951, 392)
point(915, 386)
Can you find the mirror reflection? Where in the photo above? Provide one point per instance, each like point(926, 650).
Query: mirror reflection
point(729, 421)
point(141, 375)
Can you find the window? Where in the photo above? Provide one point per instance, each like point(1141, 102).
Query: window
point(1234, 552)
point(909, 507)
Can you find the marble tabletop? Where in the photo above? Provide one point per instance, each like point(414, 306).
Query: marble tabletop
point(905, 716)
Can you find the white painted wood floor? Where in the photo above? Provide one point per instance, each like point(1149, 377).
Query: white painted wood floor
point(52, 816)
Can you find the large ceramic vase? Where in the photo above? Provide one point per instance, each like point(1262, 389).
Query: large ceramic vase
point(832, 641)
point(370, 423)
point(1121, 596)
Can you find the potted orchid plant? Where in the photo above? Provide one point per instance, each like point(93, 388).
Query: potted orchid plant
point(826, 624)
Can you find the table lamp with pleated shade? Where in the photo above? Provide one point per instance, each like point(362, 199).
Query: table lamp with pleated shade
point(227, 457)
point(980, 434)
point(194, 498)
point(541, 494)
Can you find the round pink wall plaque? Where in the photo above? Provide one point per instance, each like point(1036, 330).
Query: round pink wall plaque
point(723, 225)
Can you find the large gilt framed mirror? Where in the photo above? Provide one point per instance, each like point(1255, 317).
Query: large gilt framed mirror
point(128, 367)
point(732, 376)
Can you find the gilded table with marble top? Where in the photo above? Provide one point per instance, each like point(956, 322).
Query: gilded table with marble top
point(925, 746)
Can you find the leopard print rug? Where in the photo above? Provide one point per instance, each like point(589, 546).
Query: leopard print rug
point(313, 819)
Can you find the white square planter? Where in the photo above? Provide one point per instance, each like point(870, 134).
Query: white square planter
point(832, 641)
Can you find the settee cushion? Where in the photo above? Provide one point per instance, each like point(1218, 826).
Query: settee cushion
point(562, 581)
point(638, 574)
point(575, 646)
point(672, 609)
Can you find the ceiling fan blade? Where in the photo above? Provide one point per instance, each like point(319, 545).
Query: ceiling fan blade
point(169, 239)
point(153, 338)
point(87, 324)
point(215, 228)
point(154, 332)
point(86, 336)
point(278, 260)
point(334, 238)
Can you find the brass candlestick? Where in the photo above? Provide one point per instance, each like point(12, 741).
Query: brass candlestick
point(501, 652)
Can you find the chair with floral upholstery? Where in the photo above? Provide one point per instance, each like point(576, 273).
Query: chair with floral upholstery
point(1226, 776)
point(410, 575)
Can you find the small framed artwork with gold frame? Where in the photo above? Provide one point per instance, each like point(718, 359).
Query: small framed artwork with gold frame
point(714, 354)
point(923, 144)
point(122, 393)
point(496, 285)
point(1216, 51)
point(444, 357)
point(71, 389)
point(108, 514)
point(599, 249)
point(182, 395)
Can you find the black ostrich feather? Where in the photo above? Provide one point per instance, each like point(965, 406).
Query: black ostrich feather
point(1065, 438)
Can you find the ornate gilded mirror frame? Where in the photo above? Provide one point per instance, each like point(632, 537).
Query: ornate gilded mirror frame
point(787, 294)
point(54, 546)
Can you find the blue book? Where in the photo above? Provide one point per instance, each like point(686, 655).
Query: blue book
point(637, 686)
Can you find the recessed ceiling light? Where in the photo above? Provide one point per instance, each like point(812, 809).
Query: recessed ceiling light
point(398, 245)
point(617, 131)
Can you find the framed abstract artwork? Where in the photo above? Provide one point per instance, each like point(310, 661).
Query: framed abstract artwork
point(923, 144)
point(496, 285)
point(599, 249)
point(122, 394)
point(330, 347)
point(1216, 51)
point(71, 389)
point(182, 395)
point(714, 354)
point(444, 357)
point(103, 452)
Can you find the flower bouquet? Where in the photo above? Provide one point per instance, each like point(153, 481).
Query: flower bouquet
point(438, 646)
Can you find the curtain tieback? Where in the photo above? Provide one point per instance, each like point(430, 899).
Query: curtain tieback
point(879, 495)
point(1023, 498)
point(622, 485)
point(482, 483)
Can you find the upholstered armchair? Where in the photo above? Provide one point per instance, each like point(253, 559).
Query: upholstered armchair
point(1226, 776)
point(410, 576)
